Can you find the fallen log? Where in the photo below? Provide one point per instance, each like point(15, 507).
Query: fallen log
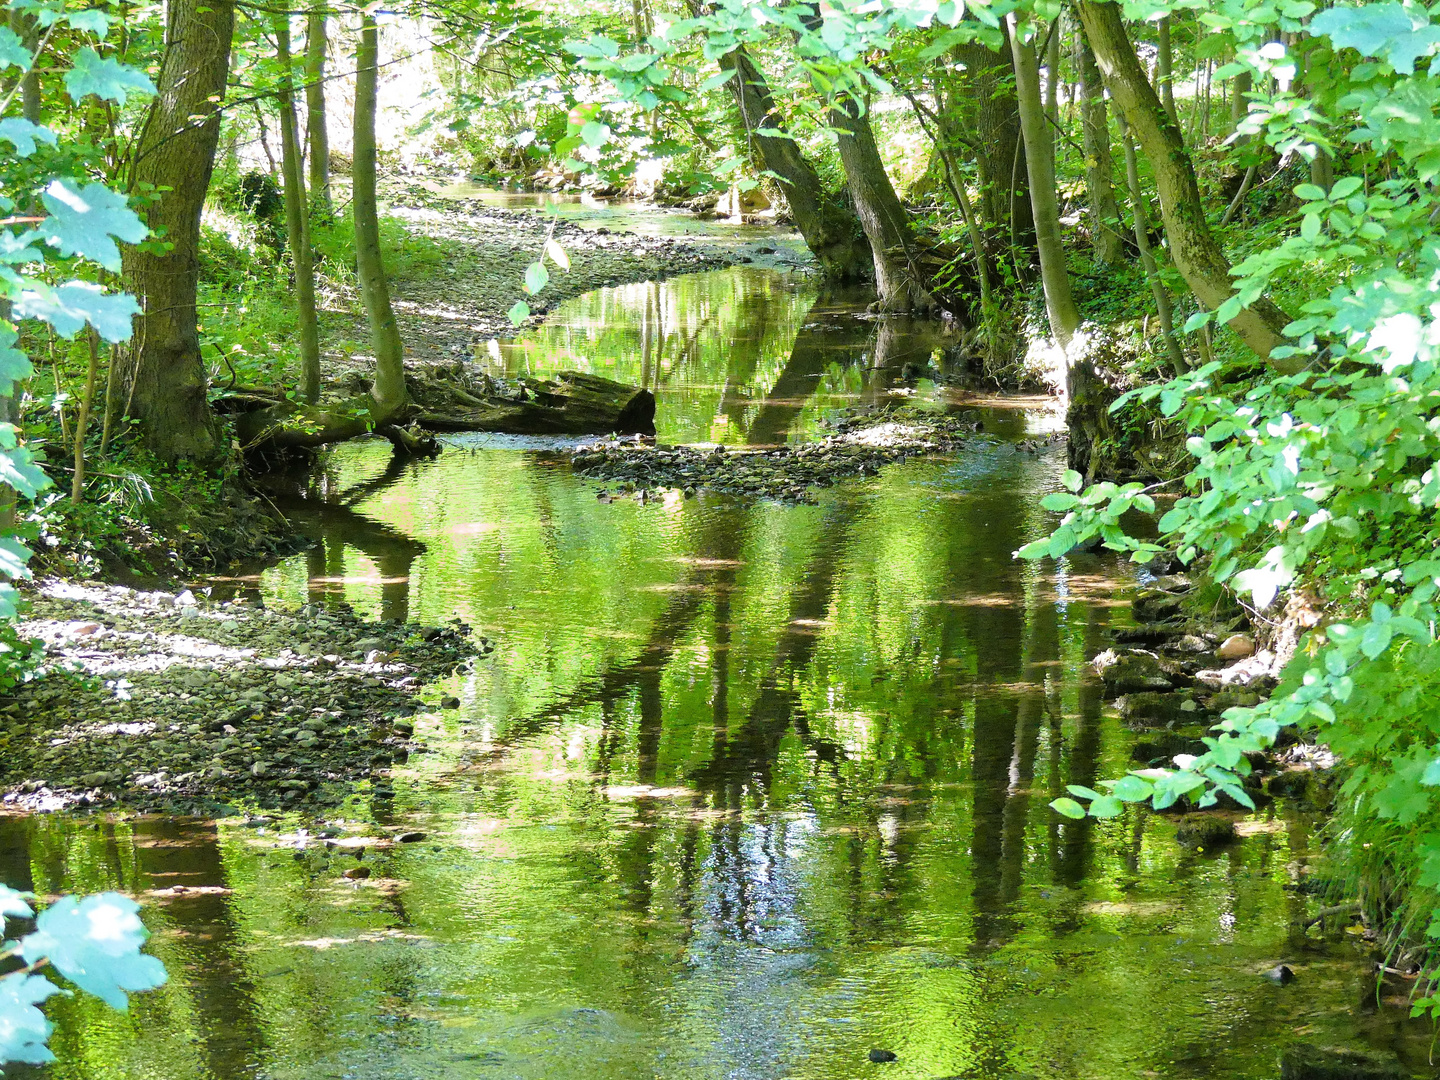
point(573, 403)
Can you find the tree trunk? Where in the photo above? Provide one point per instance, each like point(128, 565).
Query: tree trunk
point(1044, 200)
point(175, 157)
point(1165, 70)
point(990, 124)
point(388, 392)
point(887, 225)
point(316, 130)
point(297, 222)
point(831, 230)
point(1193, 247)
point(1099, 167)
point(1147, 260)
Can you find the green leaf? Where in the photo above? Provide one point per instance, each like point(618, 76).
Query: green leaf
point(15, 366)
point(1106, 806)
point(1431, 776)
point(1072, 480)
point(595, 134)
point(19, 471)
point(13, 557)
point(1059, 500)
point(1345, 187)
point(91, 20)
point(95, 943)
point(714, 82)
point(12, 50)
point(70, 306)
point(106, 78)
point(23, 135)
point(518, 313)
point(1036, 549)
point(536, 277)
point(23, 1034)
point(1196, 321)
point(1132, 788)
point(83, 220)
point(1376, 639)
point(1069, 808)
point(1309, 192)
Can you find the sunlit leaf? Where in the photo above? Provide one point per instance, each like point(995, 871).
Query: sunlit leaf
point(95, 943)
point(106, 78)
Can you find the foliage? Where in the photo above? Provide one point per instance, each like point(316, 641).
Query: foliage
point(1330, 478)
point(94, 943)
point(56, 227)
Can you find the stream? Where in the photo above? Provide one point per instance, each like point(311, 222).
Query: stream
point(745, 791)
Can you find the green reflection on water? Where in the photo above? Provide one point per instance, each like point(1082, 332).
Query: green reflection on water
point(745, 791)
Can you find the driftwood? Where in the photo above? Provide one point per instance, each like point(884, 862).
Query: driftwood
point(573, 403)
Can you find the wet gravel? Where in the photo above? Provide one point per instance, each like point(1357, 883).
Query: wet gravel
point(156, 701)
point(861, 445)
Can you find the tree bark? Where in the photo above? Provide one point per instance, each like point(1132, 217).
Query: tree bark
point(1193, 247)
point(316, 128)
point(176, 156)
point(831, 230)
point(1044, 200)
point(1099, 166)
point(1147, 260)
point(388, 392)
point(989, 122)
point(297, 222)
point(887, 225)
point(1165, 69)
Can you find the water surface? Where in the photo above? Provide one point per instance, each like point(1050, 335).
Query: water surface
point(746, 790)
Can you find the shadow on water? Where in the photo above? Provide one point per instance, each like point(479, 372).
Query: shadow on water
point(745, 790)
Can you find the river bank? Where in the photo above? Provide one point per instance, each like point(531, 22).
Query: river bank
point(167, 702)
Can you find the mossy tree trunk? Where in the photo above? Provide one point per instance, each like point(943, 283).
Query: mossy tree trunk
point(388, 391)
point(1044, 199)
point(297, 222)
point(176, 156)
point(831, 230)
point(887, 224)
point(1194, 249)
point(1105, 223)
point(317, 132)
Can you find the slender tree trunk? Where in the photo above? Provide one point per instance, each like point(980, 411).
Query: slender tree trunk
point(297, 222)
point(1147, 259)
point(988, 121)
point(82, 423)
point(175, 157)
point(389, 392)
point(1052, 80)
point(831, 230)
point(1239, 103)
point(1044, 200)
point(316, 129)
point(1165, 70)
point(886, 223)
point(1099, 168)
point(1197, 254)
